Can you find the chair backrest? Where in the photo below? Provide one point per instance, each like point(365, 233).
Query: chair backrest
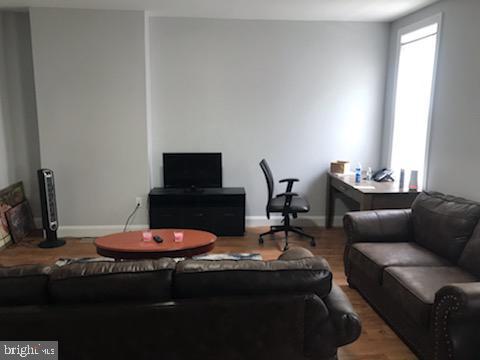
point(270, 183)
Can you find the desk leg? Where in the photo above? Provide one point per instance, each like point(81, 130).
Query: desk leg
point(366, 203)
point(330, 205)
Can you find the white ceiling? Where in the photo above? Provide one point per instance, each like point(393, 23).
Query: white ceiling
point(338, 10)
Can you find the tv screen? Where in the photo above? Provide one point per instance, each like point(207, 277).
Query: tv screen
point(187, 170)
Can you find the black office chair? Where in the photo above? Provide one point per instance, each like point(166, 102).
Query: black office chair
point(287, 203)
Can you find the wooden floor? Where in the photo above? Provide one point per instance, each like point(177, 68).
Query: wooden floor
point(377, 342)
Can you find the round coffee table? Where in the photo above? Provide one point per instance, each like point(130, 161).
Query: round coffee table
point(130, 245)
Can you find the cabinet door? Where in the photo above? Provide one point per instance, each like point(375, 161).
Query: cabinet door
point(198, 218)
point(166, 218)
point(229, 221)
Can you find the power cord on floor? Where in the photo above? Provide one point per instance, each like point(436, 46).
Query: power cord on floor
point(130, 217)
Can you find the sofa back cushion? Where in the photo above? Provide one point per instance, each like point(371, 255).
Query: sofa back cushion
point(207, 278)
point(107, 281)
point(470, 258)
point(443, 223)
point(24, 285)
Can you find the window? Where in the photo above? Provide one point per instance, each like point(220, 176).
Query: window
point(417, 52)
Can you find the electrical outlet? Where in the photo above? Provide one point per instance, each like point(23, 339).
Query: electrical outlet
point(139, 201)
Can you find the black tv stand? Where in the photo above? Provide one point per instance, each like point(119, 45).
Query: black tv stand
point(193, 189)
point(218, 210)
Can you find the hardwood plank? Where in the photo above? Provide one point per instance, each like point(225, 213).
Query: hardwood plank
point(377, 341)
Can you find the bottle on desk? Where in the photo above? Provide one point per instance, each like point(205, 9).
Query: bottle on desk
point(401, 183)
point(358, 173)
point(413, 186)
point(369, 175)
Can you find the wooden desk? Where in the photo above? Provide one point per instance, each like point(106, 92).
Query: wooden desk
point(368, 195)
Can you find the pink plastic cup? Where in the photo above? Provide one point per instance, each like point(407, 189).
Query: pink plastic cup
point(178, 236)
point(147, 236)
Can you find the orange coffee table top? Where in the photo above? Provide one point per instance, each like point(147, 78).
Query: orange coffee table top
point(130, 245)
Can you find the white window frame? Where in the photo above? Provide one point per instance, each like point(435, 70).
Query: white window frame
point(437, 18)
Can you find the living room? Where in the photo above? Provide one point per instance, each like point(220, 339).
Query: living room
point(132, 136)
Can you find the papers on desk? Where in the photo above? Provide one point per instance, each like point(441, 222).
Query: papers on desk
point(365, 187)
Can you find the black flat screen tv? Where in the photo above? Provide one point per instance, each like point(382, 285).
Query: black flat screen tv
point(192, 170)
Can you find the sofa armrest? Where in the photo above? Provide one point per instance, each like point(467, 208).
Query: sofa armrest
point(456, 322)
point(378, 226)
point(330, 321)
point(295, 253)
point(345, 320)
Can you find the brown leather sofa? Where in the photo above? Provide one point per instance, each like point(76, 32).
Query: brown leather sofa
point(160, 309)
point(420, 269)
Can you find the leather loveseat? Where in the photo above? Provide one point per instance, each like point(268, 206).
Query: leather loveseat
point(420, 269)
point(193, 309)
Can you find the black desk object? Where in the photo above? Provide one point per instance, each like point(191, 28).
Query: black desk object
point(218, 210)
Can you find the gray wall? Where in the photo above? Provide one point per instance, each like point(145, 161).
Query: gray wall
point(90, 86)
point(455, 145)
point(19, 144)
point(4, 163)
point(299, 94)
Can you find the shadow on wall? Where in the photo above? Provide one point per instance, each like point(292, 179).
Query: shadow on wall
point(19, 114)
point(316, 193)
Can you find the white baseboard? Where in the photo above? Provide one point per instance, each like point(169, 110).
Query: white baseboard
point(94, 230)
point(250, 221)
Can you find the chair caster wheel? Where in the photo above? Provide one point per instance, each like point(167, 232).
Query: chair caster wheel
point(285, 248)
point(313, 243)
point(260, 240)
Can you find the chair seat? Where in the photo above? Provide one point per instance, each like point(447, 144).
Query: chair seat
point(298, 204)
point(415, 287)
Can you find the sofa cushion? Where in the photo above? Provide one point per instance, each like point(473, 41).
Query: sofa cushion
point(469, 260)
point(204, 278)
point(414, 287)
point(392, 225)
point(106, 281)
point(443, 223)
point(24, 285)
point(373, 258)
